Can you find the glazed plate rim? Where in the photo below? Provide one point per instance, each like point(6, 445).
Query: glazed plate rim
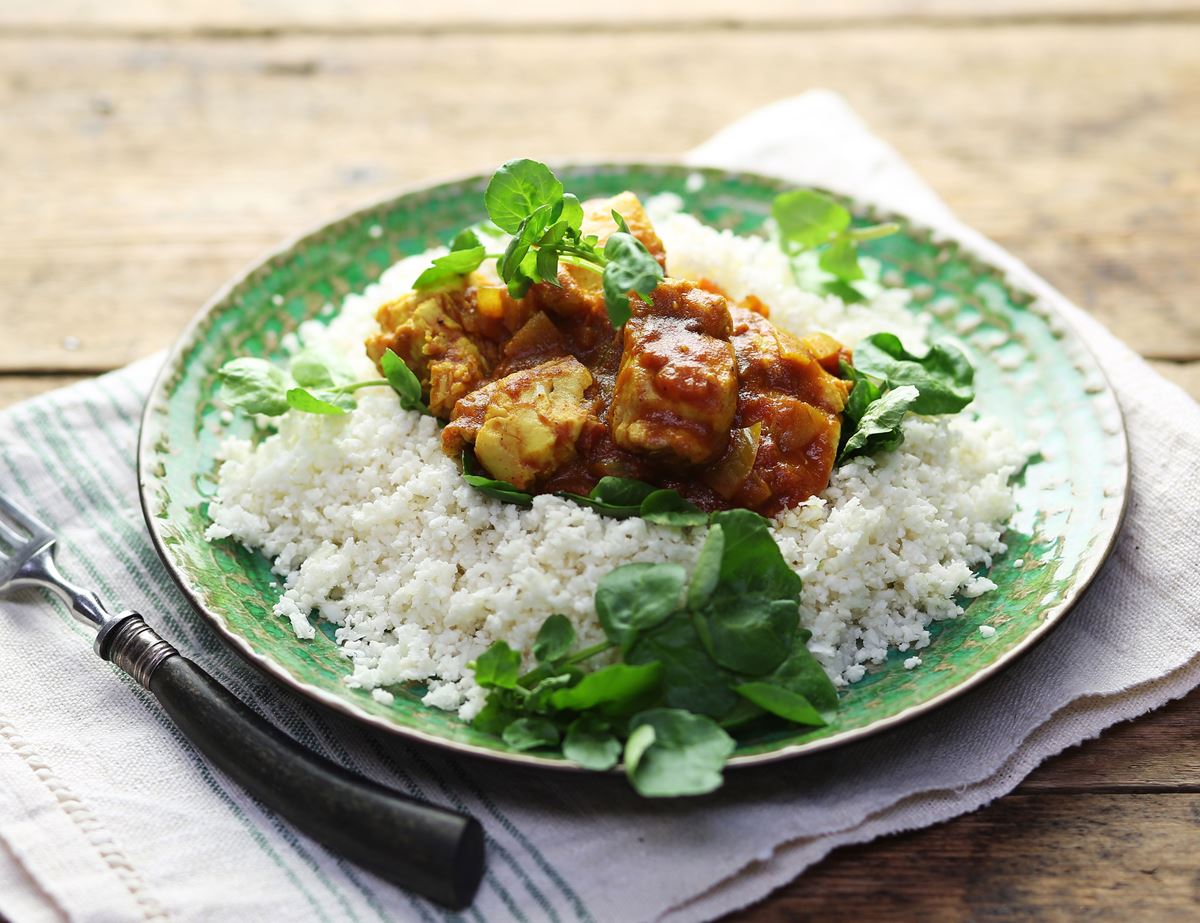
point(1092, 559)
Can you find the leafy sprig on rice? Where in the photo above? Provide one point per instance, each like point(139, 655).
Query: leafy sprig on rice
point(890, 382)
point(809, 220)
point(314, 382)
point(699, 659)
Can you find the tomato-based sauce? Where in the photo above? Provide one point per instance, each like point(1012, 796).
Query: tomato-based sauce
point(697, 392)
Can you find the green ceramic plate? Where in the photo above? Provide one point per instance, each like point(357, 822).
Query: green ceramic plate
point(1032, 372)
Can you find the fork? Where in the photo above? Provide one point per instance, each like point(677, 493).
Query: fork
point(427, 849)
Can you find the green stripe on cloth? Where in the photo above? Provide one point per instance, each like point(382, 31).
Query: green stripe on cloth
point(111, 407)
point(85, 509)
point(140, 546)
point(497, 847)
point(151, 706)
point(330, 744)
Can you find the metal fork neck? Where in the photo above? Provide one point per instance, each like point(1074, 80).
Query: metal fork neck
point(41, 571)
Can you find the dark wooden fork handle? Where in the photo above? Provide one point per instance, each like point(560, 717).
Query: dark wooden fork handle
point(429, 850)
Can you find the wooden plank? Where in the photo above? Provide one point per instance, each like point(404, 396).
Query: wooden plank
point(274, 16)
point(1050, 858)
point(1156, 752)
point(140, 175)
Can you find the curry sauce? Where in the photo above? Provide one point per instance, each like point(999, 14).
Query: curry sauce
point(697, 392)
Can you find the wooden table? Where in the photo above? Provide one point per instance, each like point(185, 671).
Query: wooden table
point(150, 148)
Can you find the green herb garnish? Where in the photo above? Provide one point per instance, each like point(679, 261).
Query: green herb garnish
point(696, 657)
point(943, 377)
point(314, 383)
point(809, 220)
point(890, 382)
point(616, 497)
point(526, 200)
point(465, 256)
point(624, 497)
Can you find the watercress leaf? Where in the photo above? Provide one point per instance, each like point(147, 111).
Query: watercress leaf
point(590, 743)
point(554, 234)
point(707, 572)
point(406, 385)
point(451, 267)
point(752, 562)
point(864, 393)
point(630, 268)
point(806, 218)
point(620, 222)
point(668, 508)
point(621, 492)
point(748, 634)
point(782, 702)
point(517, 189)
point(633, 598)
point(943, 377)
point(604, 509)
point(320, 403)
point(616, 497)
point(685, 756)
point(509, 264)
point(616, 298)
point(497, 667)
point(748, 621)
point(314, 368)
point(572, 212)
point(691, 679)
point(543, 671)
point(499, 490)
point(636, 745)
point(554, 639)
point(616, 689)
point(540, 695)
point(497, 713)
point(879, 427)
point(465, 240)
point(529, 266)
point(255, 386)
point(843, 290)
point(547, 266)
point(840, 259)
point(519, 285)
point(803, 674)
point(742, 713)
point(530, 734)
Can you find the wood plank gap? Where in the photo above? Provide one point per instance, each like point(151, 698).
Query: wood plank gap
point(64, 372)
point(1109, 788)
point(521, 29)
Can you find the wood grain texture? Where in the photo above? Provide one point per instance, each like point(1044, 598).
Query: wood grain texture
point(274, 16)
point(1046, 858)
point(1157, 752)
point(153, 147)
point(140, 174)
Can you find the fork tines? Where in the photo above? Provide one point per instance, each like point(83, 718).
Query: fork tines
point(19, 529)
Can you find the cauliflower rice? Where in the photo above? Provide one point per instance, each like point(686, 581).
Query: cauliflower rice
point(370, 524)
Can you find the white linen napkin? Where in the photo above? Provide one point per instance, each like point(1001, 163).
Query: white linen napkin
point(107, 814)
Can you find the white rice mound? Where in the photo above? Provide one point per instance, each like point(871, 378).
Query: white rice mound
point(369, 524)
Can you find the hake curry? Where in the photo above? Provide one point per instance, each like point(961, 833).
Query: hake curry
point(697, 392)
